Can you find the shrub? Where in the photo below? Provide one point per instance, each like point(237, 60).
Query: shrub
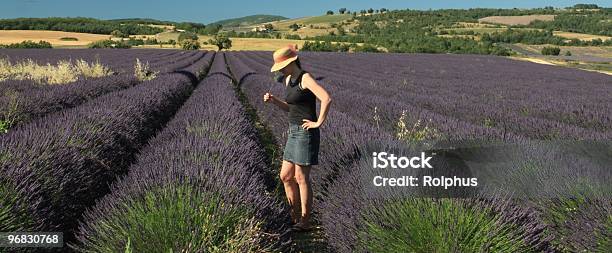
point(325, 46)
point(153, 41)
point(69, 39)
point(551, 51)
point(432, 229)
point(172, 212)
point(28, 44)
point(109, 44)
point(501, 51)
point(293, 37)
point(366, 48)
point(118, 34)
point(135, 42)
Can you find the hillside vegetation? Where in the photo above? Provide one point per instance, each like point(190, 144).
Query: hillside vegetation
point(428, 31)
point(248, 20)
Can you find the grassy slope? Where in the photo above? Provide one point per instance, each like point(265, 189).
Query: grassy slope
point(314, 20)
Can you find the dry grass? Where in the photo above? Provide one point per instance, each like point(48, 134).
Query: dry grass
point(481, 30)
point(64, 71)
point(535, 60)
point(242, 44)
point(143, 72)
point(53, 37)
point(165, 27)
point(474, 25)
point(516, 20)
point(597, 51)
point(580, 36)
point(594, 67)
point(473, 37)
point(239, 44)
point(166, 36)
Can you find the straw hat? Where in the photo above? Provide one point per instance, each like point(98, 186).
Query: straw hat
point(283, 56)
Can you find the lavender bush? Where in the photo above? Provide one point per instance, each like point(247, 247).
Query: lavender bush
point(58, 165)
point(207, 159)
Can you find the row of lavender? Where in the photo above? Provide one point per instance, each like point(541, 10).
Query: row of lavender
point(202, 180)
point(531, 100)
point(352, 213)
point(120, 61)
point(54, 168)
point(382, 113)
point(343, 145)
point(22, 100)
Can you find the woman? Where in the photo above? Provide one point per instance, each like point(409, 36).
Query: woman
point(302, 149)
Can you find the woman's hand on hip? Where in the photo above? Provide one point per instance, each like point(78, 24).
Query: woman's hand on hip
point(309, 124)
point(268, 97)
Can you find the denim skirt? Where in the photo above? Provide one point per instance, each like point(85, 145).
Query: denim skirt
point(302, 147)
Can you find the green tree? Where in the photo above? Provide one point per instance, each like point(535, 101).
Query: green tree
point(221, 41)
point(294, 27)
point(329, 12)
point(342, 10)
point(118, 34)
point(212, 29)
point(190, 45)
point(187, 36)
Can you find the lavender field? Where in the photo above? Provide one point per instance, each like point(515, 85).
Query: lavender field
point(187, 160)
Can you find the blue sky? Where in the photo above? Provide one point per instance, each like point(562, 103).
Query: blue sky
point(209, 11)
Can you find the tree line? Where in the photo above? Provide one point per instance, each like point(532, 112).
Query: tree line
point(91, 25)
point(81, 25)
point(27, 44)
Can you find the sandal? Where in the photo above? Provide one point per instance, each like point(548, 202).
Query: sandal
point(299, 227)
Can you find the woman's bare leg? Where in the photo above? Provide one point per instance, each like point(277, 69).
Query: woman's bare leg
point(287, 175)
point(302, 176)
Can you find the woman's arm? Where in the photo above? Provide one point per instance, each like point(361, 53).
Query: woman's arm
point(268, 97)
point(310, 83)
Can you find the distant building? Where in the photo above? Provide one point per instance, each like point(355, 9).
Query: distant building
point(261, 28)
